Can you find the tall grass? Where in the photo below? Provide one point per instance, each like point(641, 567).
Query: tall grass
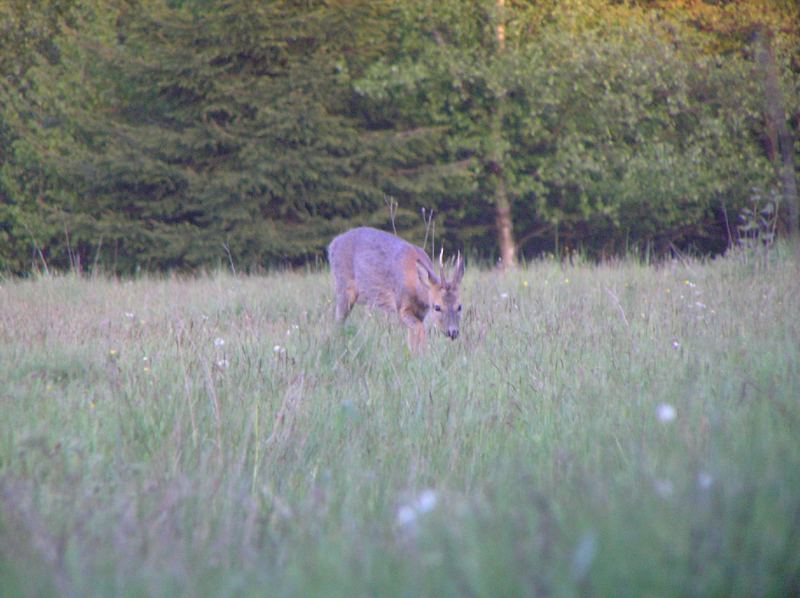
point(613, 430)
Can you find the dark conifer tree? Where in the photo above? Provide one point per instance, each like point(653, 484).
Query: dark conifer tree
point(229, 134)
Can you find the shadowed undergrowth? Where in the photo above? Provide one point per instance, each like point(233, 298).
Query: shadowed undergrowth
point(616, 429)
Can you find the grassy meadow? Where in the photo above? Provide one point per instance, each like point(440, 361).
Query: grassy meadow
point(615, 430)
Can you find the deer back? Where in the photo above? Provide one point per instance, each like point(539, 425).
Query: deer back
point(381, 267)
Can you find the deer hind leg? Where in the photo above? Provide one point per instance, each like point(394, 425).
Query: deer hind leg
point(346, 296)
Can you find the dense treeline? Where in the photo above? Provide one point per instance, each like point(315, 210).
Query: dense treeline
point(176, 134)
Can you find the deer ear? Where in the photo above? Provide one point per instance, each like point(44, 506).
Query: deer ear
point(426, 276)
point(458, 270)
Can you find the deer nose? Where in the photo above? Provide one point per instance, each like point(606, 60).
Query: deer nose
point(452, 333)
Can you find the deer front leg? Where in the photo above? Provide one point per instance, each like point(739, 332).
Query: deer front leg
point(417, 339)
point(345, 299)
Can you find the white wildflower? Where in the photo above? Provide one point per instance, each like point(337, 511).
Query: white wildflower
point(424, 503)
point(663, 488)
point(584, 554)
point(704, 480)
point(130, 315)
point(666, 413)
point(503, 295)
point(406, 516)
point(676, 345)
point(219, 342)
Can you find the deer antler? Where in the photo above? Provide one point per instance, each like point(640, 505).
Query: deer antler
point(458, 269)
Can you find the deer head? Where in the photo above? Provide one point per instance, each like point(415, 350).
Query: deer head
point(444, 301)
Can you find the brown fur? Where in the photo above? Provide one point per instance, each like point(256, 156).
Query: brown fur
point(377, 269)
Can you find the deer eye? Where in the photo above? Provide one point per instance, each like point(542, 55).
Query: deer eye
point(459, 308)
point(437, 307)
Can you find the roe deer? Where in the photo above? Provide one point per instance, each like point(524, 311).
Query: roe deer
point(381, 270)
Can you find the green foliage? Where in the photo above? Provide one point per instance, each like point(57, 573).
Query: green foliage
point(649, 143)
point(217, 130)
point(166, 135)
point(218, 436)
point(51, 101)
point(615, 130)
point(225, 137)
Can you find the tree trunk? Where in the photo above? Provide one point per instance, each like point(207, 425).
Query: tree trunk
point(502, 205)
point(776, 123)
point(504, 224)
